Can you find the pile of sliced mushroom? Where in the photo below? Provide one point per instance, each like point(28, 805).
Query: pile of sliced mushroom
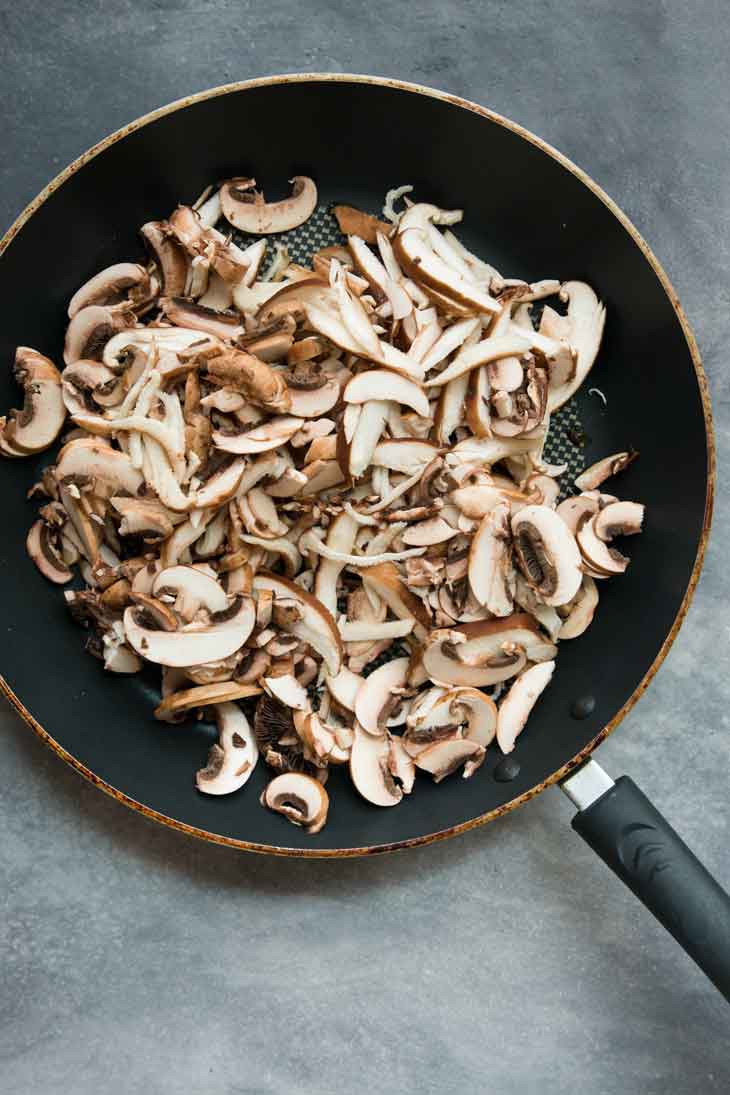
point(321, 490)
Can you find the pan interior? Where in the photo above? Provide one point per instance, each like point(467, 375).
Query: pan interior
point(525, 212)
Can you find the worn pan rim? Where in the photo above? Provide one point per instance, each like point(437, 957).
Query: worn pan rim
point(582, 176)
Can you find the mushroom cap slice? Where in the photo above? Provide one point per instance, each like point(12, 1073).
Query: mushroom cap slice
point(603, 469)
point(314, 403)
point(232, 760)
point(490, 564)
point(344, 687)
point(405, 454)
point(316, 625)
point(110, 286)
point(203, 695)
point(415, 254)
point(193, 644)
point(91, 456)
point(222, 485)
point(246, 209)
point(301, 799)
point(618, 519)
point(372, 700)
point(370, 769)
point(582, 609)
point(573, 510)
point(481, 713)
point(45, 556)
point(90, 331)
point(587, 317)
point(192, 588)
point(387, 385)
point(401, 764)
point(444, 757)
point(547, 554)
point(270, 435)
point(515, 708)
point(39, 423)
point(287, 690)
point(598, 555)
point(385, 580)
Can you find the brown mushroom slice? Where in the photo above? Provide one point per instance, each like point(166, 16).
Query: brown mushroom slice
point(353, 222)
point(547, 554)
point(344, 687)
point(481, 713)
point(573, 510)
point(169, 256)
point(193, 644)
point(90, 331)
point(246, 209)
point(372, 700)
point(314, 403)
point(232, 760)
point(603, 469)
point(287, 690)
point(596, 552)
point(444, 757)
point(386, 385)
point(587, 317)
point(355, 449)
point(221, 486)
point(385, 581)
point(582, 608)
point(486, 450)
point(441, 663)
point(45, 555)
point(203, 695)
point(358, 631)
point(315, 626)
point(184, 312)
point(39, 423)
point(191, 588)
point(618, 519)
point(122, 281)
point(416, 256)
point(515, 708)
point(370, 769)
point(299, 798)
point(490, 565)
point(270, 435)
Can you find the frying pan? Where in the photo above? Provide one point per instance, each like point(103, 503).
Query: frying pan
point(528, 210)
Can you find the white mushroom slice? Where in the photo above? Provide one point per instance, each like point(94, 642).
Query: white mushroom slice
point(191, 588)
point(476, 501)
point(143, 517)
point(478, 415)
point(451, 408)
point(322, 475)
point(599, 472)
point(401, 765)
point(480, 710)
point(370, 769)
point(39, 423)
point(582, 608)
point(357, 631)
point(222, 485)
point(547, 554)
point(586, 316)
point(505, 375)
point(311, 542)
point(314, 403)
point(331, 326)
point(47, 558)
point(386, 385)
point(515, 708)
point(299, 798)
point(405, 455)
point(340, 538)
point(245, 208)
point(618, 519)
point(601, 558)
point(379, 278)
point(118, 658)
point(270, 435)
point(444, 757)
point(90, 331)
point(111, 286)
point(482, 353)
point(490, 566)
point(176, 703)
point(442, 664)
point(487, 450)
point(435, 530)
point(547, 617)
point(176, 339)
point(367, 431)
point(353, 314)
point(385, 581)
point(573, 510)
point(452, 338)
point(192, 644)
point(344, 687)
point(287, 690)
point(232, 760)
point(315, 625)
point(373, 698)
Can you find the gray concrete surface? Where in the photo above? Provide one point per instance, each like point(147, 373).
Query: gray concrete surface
point(507, 961)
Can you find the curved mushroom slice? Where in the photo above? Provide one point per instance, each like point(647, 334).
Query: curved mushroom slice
point(452, 339)
point(87, 381)
point(485, 652)
point(46, 556)
point(299, 798)
point(39, 423)
point(435, 530)
point(119, 351)
point(481, 353)
point(491, 576)
point(314, 625)
point(124, 281)
point(344, 687)
point(406, 455)
point(270, 435)
point(445, 757)
point(618, 519)
point(481, 713)
point(582, 608)
point(287, 690)
point(386, 385)
point(370, 769)
point(184, 312)
point(204, 695)
point(353, 222)
point(586, 316)
point(193, 644)
point(599, 472)
point(573, 510)
point(601, 558)
point(385, 581)
point(451, 408)
point(169, 256)
point(547, 554)
point(232, 760)
point(414, 252)
point(340, 537)
point(515, 708)
point(221, 486)
point(314, 403)
point(192, 589)
point(245, 208)
point(373, 700)
point(400, 764)
point(380, 279)
point(90, 331)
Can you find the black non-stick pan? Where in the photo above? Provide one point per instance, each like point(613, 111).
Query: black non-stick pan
point(528, 210)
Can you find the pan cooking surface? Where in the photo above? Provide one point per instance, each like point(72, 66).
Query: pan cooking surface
point(526, 212)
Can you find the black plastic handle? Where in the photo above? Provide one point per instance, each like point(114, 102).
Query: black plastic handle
point(636, 842)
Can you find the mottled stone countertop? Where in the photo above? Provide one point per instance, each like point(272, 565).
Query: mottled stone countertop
point(508, 960)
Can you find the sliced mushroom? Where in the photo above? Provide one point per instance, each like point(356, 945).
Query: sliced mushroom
point(373, 698)
point(481, 713)
point(232, 760)
point(582, 608)
point(445, 757)
point(314, 624)
point(618, 519)
point(490, 565)
point(547, 554)
point(90, 331)
point(386, 385)
point(599, 472)
point(169, 256)
point(515, 708)
point(46, 556)
point(270, 435)
point(193, 644)
point(125, 281)
point(191, 589)
point(385, 581)
point(370, 769)
point(400, 764)
point(353, 222)
point(176, 703)
point(586, 316)
point(246, 209)
point(287, 690)
point(299, 798)
point(601, 558)
point(39, 423)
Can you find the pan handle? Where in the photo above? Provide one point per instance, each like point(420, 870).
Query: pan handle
point(640, 846)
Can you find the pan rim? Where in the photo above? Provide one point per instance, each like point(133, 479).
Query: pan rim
point(583, 177)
